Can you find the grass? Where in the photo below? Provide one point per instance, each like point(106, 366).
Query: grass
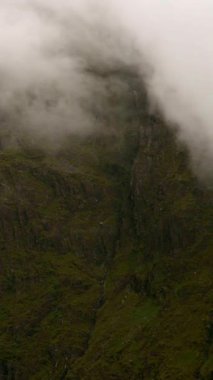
point(105, 264)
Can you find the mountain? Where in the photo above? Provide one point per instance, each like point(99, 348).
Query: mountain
point(106, 252)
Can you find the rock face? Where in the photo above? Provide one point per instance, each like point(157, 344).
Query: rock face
point(106, 254)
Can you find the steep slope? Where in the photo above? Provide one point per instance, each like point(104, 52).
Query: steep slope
point(106, 253)
point(156, 321)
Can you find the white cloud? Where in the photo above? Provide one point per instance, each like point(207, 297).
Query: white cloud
point(44, 46)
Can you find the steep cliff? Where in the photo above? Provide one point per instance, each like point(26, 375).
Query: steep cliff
point(106, 253)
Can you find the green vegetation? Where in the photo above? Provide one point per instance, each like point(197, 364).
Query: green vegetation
point(106, 256)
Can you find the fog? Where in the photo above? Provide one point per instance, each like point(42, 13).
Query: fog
point(176, 38)
point(46, 48)
point(46, 51)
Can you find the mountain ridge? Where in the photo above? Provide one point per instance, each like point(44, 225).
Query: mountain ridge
point(106, 253)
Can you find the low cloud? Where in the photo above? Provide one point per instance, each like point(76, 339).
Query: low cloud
point(176, 40)
point(46, 48)
point(47, 51)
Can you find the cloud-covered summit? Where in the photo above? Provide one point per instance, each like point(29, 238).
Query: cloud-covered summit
point(45, 47)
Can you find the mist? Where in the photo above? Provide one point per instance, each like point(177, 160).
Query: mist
point(176, 39)
point(47, 54)
point(47, 47)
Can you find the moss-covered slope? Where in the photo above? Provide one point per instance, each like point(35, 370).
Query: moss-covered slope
point(106, 254)
point(156, 321)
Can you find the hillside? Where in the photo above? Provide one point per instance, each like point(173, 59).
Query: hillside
point(106, 253)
